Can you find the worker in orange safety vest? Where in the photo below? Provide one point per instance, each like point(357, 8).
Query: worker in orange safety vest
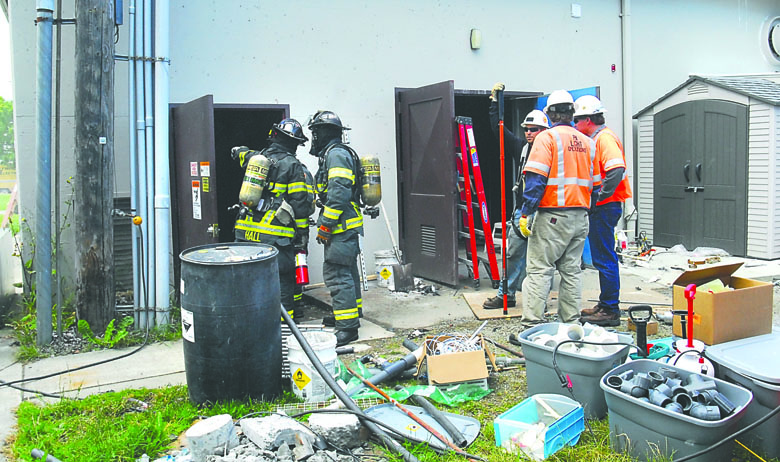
point(559, 179)
point(605, 214)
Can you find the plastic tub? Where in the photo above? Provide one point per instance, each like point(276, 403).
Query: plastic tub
point(583, 371)
point(564, 431)
point(754, 364)
point(649, 432)
point(307, 383)
point(383, 262)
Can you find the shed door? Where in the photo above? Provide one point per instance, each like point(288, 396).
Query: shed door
point(701, 175)
point(194, 164)
point(427, 184)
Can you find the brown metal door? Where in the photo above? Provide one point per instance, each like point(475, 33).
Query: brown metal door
point(194, 173)
point(427, 182)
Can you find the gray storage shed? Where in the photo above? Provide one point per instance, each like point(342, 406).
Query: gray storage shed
point(708, 165)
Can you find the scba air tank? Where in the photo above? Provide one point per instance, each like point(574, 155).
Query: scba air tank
point(372, 180)
point(255, 181)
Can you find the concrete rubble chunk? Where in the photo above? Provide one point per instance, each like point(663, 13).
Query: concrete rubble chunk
point(263, 431)
point(214, 435)
point(303, 447)
point(340, 430)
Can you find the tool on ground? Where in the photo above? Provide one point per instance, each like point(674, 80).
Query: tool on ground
point(469, 156)
point(402, 272)
point(441, 418)
point(504, 287)
point(391, 370)
point(513, 340)
point(690, 294)
point(390, 443)
point(414, 417)
point(706, 261)
point(640, 315)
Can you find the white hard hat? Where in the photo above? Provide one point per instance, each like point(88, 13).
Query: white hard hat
point(588, 105)
point(536, 117)
point(558, 97)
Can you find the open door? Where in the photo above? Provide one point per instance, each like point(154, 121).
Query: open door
point(427, 183)
point(194, 163)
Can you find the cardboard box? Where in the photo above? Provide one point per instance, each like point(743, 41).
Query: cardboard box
point(458, 367)
point(652, 326)
point(721, 317)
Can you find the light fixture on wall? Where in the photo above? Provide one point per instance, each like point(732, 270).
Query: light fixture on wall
point(476, 39)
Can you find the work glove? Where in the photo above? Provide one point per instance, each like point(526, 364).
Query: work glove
point(237, 149)
point(499, 86)
point(323, 234)
point(522, 223)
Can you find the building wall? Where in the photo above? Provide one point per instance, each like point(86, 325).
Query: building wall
point(349, 56)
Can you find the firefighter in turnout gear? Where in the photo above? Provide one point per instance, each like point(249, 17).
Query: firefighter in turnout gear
point(280, 216)
point(340, 222)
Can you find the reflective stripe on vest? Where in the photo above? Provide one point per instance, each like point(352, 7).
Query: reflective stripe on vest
point(623, 189)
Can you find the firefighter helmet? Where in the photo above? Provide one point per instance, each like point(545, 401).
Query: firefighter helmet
point(536, 117)
point(290, 128)
point(326, 118)
point(588, 105)
point(559, 101)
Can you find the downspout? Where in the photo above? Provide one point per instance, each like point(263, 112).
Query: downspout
point(133, 157)
point(42, 264)
point(628, 124)
point(140, 131)
point(149, 123)
point(57, 169)
point(162, 198)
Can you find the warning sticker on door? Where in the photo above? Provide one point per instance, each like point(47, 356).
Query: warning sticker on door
point(196, 200)
point(300, 379)
point(187, 326)
point(205, 169)
point(193, 169)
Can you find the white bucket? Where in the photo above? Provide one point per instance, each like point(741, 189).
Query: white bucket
point(307, 383)
point(383, 262)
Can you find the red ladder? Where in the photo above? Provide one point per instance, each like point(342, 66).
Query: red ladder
point(468, 156)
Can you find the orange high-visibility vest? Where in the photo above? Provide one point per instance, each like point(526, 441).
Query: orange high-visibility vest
point(610, 152)
point(568, 159)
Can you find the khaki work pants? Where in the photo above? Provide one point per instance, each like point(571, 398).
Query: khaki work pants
point(556, 243)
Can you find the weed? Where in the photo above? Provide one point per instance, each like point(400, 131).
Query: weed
point(111, 337)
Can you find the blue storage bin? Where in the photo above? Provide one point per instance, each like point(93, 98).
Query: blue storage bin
point(564, 431)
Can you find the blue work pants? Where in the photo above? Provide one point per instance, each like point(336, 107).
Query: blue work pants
point(516, 250)
point(602, 250)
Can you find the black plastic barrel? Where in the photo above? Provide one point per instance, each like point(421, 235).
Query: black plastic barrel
point(230, 307)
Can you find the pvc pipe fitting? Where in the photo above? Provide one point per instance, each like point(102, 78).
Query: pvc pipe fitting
point(684, 401)
point(699, 386)
point(575, 332)
point(668, 372)
point(698, 382)
point(645, 399)
point(643, 381)
point(615, 382)
point(674, 407)
point(703, 412)
point(716, 398)
point(658, 398)
point(655, 378)
point(664, 390)
point(627, 375)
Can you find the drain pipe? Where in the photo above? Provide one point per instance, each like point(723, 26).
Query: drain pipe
point(133, 156)
point(628, 123)
point(140, 135)
point(149, 124)
point(162, 186)
point(390, 443)
point(44, 20)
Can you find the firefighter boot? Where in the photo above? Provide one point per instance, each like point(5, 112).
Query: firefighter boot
point(345, 336)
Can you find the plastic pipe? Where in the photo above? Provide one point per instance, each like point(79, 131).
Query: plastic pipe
point(457, 437)
point(655, 378)
point(684, 400)
point(162, 186)
point(658, 398)
point(149, 142)
point(390, 443)
point(615, 382)
point(697, 383)
point(664, 389)
point(42, 265)
point(140, 155)
point(668, 372)
point(38, 454)
point(133, 156)
point(674, 407)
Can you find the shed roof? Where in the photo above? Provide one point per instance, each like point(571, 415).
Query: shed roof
point(762, 89)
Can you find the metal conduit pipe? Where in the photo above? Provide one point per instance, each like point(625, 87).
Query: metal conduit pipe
point(140, 135)
point(42, 265)
point(136, 266)
point(391, 444)
point(149, 141)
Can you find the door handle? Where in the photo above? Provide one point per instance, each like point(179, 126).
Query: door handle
point(694, 189)
point(698, 171)
point(687, 172)
point(213, 230)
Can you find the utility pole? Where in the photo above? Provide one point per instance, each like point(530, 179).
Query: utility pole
point(94, 145)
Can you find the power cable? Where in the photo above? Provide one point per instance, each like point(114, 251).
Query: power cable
point(136, 221)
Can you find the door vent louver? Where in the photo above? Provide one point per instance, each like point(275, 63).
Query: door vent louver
point(428, 240)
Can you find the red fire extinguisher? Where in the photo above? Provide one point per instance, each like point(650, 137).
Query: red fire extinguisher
point(301, 268)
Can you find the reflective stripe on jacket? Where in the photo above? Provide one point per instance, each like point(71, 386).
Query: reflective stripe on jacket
point(568, 159)
point(611, 155)
point(336, 187)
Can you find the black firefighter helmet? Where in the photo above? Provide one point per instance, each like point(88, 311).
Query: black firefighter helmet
point(291, 129)
point(326, 119)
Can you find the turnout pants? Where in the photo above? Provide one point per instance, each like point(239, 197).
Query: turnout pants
point(556, 243)
point(340, 273)
point(286, 262)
